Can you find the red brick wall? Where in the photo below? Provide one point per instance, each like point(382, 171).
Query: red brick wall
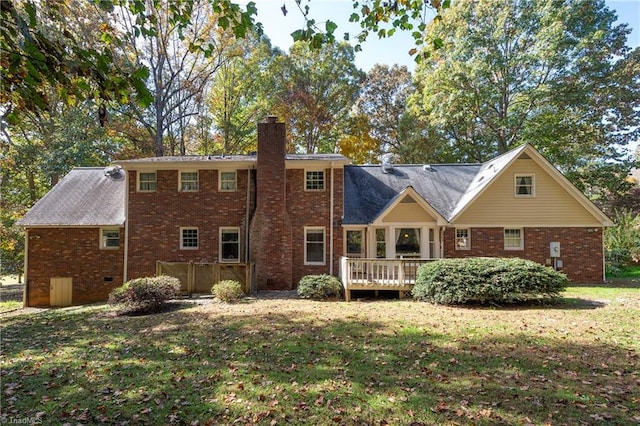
point(75, 253)
point(580, 248)
point(155, 219)
point(313, 208)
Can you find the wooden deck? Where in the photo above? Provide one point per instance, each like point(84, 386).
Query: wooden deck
point(379, 274)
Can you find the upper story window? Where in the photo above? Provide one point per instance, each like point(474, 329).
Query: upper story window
point(147, 181)
point(314, 180)
point(513, 239)
point(228, 181)
point(188, 181)
point(525, 186)
point(188, 238)
point(110, 238)
point(463, 239)
point(229, 244)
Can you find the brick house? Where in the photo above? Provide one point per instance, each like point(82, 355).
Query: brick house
point(293, 215)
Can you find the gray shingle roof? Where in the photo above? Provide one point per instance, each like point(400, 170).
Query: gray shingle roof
point(86, 196)
point(368, 189)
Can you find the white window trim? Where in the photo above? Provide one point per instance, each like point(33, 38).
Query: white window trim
point(324, 180)
point(324, 244)
point(186, 228)
point(180, 189)
point(103, 239)
point(533, 185)
point(504, 242)
point(139, 182)
point(468, 241)
point(220, 231)
point(235, 182)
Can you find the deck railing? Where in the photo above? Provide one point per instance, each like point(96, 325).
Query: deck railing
point(379, 274)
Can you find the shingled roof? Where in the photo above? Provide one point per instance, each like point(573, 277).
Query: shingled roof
point(86, 196)
point(369, 189)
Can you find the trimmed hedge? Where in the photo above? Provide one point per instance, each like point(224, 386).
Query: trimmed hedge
point(228, 290)
point(145, 295)
point(319, 287)
point(486, 280)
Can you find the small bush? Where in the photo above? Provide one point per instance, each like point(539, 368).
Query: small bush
point(145, 295)
point(228, 290)
point(486, 280)
point(319, 287)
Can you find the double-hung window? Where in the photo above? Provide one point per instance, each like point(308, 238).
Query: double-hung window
point(314, 246)
point(513, 239)
point(188, 238)
point(188, 181)
point(525, 186)
point(228, 181)
point(463, 239)
point(147, 181)
point(314, 180)
point(110, 238)
point(229, 244)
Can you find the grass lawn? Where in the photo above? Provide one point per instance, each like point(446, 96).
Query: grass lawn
point(283, 361)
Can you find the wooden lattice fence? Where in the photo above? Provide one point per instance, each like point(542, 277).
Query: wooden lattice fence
point(200, 277)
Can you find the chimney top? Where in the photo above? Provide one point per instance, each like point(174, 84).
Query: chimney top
point(272, 118)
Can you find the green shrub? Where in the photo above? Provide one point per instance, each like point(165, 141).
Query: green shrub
point(145, 295)
point(486, 280)
point(228, 290)
point(622, 241)
point(319, 287)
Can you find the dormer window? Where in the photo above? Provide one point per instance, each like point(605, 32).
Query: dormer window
point(525, 186)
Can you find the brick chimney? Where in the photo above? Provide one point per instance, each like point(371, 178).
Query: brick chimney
point(270, 233)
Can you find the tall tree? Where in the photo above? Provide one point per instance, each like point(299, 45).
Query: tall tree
point(239, 95)
point(178, 75)
point(36, 56)
point(556, 75)
point(383, 98)
point(313, 92)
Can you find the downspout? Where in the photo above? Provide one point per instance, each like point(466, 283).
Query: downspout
point(25, 291)
point(125, 269)
point(442, 242)
point(331, 224)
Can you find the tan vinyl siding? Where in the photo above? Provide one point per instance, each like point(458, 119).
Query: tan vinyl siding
point(408, 212)
point(552, 205)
